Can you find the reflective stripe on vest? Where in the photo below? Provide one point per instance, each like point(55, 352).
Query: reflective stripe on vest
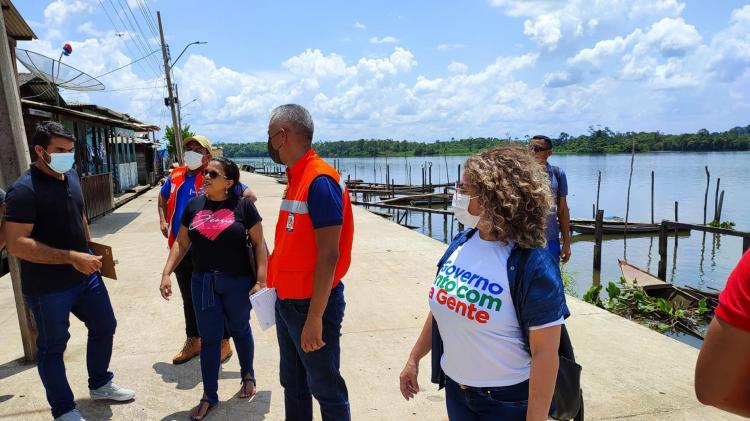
point(294, 206)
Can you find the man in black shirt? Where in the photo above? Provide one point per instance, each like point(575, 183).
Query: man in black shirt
point(46, 228)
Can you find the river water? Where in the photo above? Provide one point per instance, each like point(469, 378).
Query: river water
point(701, 261)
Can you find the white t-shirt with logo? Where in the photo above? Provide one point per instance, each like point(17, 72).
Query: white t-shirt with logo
point(471, 302)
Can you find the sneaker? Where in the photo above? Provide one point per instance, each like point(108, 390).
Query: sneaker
point(112, 392)
point(191, 349)
point(226, 350)
point(73, 415)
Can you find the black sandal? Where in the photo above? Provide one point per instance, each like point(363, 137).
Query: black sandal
point(199, 407)
point(243, 393)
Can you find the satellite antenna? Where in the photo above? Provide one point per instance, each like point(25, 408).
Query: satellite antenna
point(57, 73)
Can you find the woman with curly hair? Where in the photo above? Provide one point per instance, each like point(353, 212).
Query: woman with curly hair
point(477, 335)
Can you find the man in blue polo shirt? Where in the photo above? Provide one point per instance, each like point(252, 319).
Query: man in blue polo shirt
point(46, 228)
point(559, 221)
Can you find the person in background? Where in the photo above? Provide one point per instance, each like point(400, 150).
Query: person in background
point(722, 373)
point(312, 254)
point(46, 229)
point(217, 226)
point(473, 329)
point(183, 184)
point(559, 219)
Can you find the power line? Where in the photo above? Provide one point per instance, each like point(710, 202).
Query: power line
point(127, 45)
point(132, 62)
point(139, 31)
point(148, 18)
point(136, 37)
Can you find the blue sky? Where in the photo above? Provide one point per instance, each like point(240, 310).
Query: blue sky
point(421, 70)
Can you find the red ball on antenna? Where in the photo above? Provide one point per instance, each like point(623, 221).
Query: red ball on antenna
point(67, 49)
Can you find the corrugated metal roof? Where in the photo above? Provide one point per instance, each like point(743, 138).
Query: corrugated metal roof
point(33, 88)
point(89, 116)
point(15, 26)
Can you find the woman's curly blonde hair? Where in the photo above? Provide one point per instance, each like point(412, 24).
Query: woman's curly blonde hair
point(513, 190)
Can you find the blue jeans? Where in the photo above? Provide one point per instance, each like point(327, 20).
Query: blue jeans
point(89, 302)
point(219, 298)
point(553, 247)
point(315, 373)
point(486, 403)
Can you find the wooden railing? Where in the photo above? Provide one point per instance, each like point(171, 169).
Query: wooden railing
point(97, 194)
point(667, 226)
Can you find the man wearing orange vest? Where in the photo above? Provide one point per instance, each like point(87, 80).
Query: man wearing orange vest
point(183, 184)
point(311, 255)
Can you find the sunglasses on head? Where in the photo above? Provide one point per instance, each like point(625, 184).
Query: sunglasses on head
point(212, 174)
point(537, 148)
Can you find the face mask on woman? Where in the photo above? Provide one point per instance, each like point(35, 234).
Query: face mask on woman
point(193, 160)
point(461, 210)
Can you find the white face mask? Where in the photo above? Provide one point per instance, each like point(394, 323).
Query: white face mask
point(61, 162)
point(461, 210)
point(193, 160)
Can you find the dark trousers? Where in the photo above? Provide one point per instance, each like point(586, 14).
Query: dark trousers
point(184, 273)
point(307, 374)
point(486, 403)
point(222, 301)
point(89, 302)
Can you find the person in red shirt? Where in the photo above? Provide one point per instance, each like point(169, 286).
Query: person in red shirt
point(722, 374)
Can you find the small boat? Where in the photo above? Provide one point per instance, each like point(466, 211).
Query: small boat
point(609, 228)
point(682, 297)
point(419, 199)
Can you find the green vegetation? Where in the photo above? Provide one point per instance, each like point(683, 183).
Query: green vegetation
point(569, 284)
point(633, 303)
point(596, 141)
point(169, 136)
point(726, 224)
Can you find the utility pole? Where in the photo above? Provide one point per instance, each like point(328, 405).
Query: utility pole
point(14, 160)
point(179, 110)
point(168, 72)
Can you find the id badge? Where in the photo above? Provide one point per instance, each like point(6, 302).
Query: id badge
point(290, 223)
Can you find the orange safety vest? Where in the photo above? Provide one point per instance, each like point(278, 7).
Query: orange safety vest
point(177, 179)
point(291, 267)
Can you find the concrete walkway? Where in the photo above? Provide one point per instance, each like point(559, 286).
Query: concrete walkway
point(629, 371)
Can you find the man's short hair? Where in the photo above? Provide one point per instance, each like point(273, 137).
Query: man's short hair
point(547, 140)
point(46, 130)
point(297, 117)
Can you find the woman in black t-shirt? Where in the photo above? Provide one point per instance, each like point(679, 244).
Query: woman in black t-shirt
point(217, 227)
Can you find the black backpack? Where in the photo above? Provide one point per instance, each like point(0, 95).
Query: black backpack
point(567, 401)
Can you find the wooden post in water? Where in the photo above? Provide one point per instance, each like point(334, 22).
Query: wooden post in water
point(630, 182)
point(705, 199)
point(662, 274)
point(593, 211)
point(598, 189)
point(716, 201)
point(598, 234)
point(458, 179)
point(652, 196)
point(721, 205)
point(676, 219)
point(393, 188)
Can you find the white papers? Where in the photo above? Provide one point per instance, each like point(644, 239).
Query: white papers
point(264, 304)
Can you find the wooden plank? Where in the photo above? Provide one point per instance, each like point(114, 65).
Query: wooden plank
point(704, 228)
point(411, 208)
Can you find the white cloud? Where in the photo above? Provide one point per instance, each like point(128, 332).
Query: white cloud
point(729, 50)
point(88, 28)
point(360, 26)
point(446, 47)
point(561, 79)
point(384, 40)
point(314, 62)
point(58, 11)
point(551, 22)
point(457, 67)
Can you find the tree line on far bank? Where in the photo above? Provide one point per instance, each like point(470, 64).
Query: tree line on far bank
point(596, 141)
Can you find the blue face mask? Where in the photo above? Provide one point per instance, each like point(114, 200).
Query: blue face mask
point(61, 162)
